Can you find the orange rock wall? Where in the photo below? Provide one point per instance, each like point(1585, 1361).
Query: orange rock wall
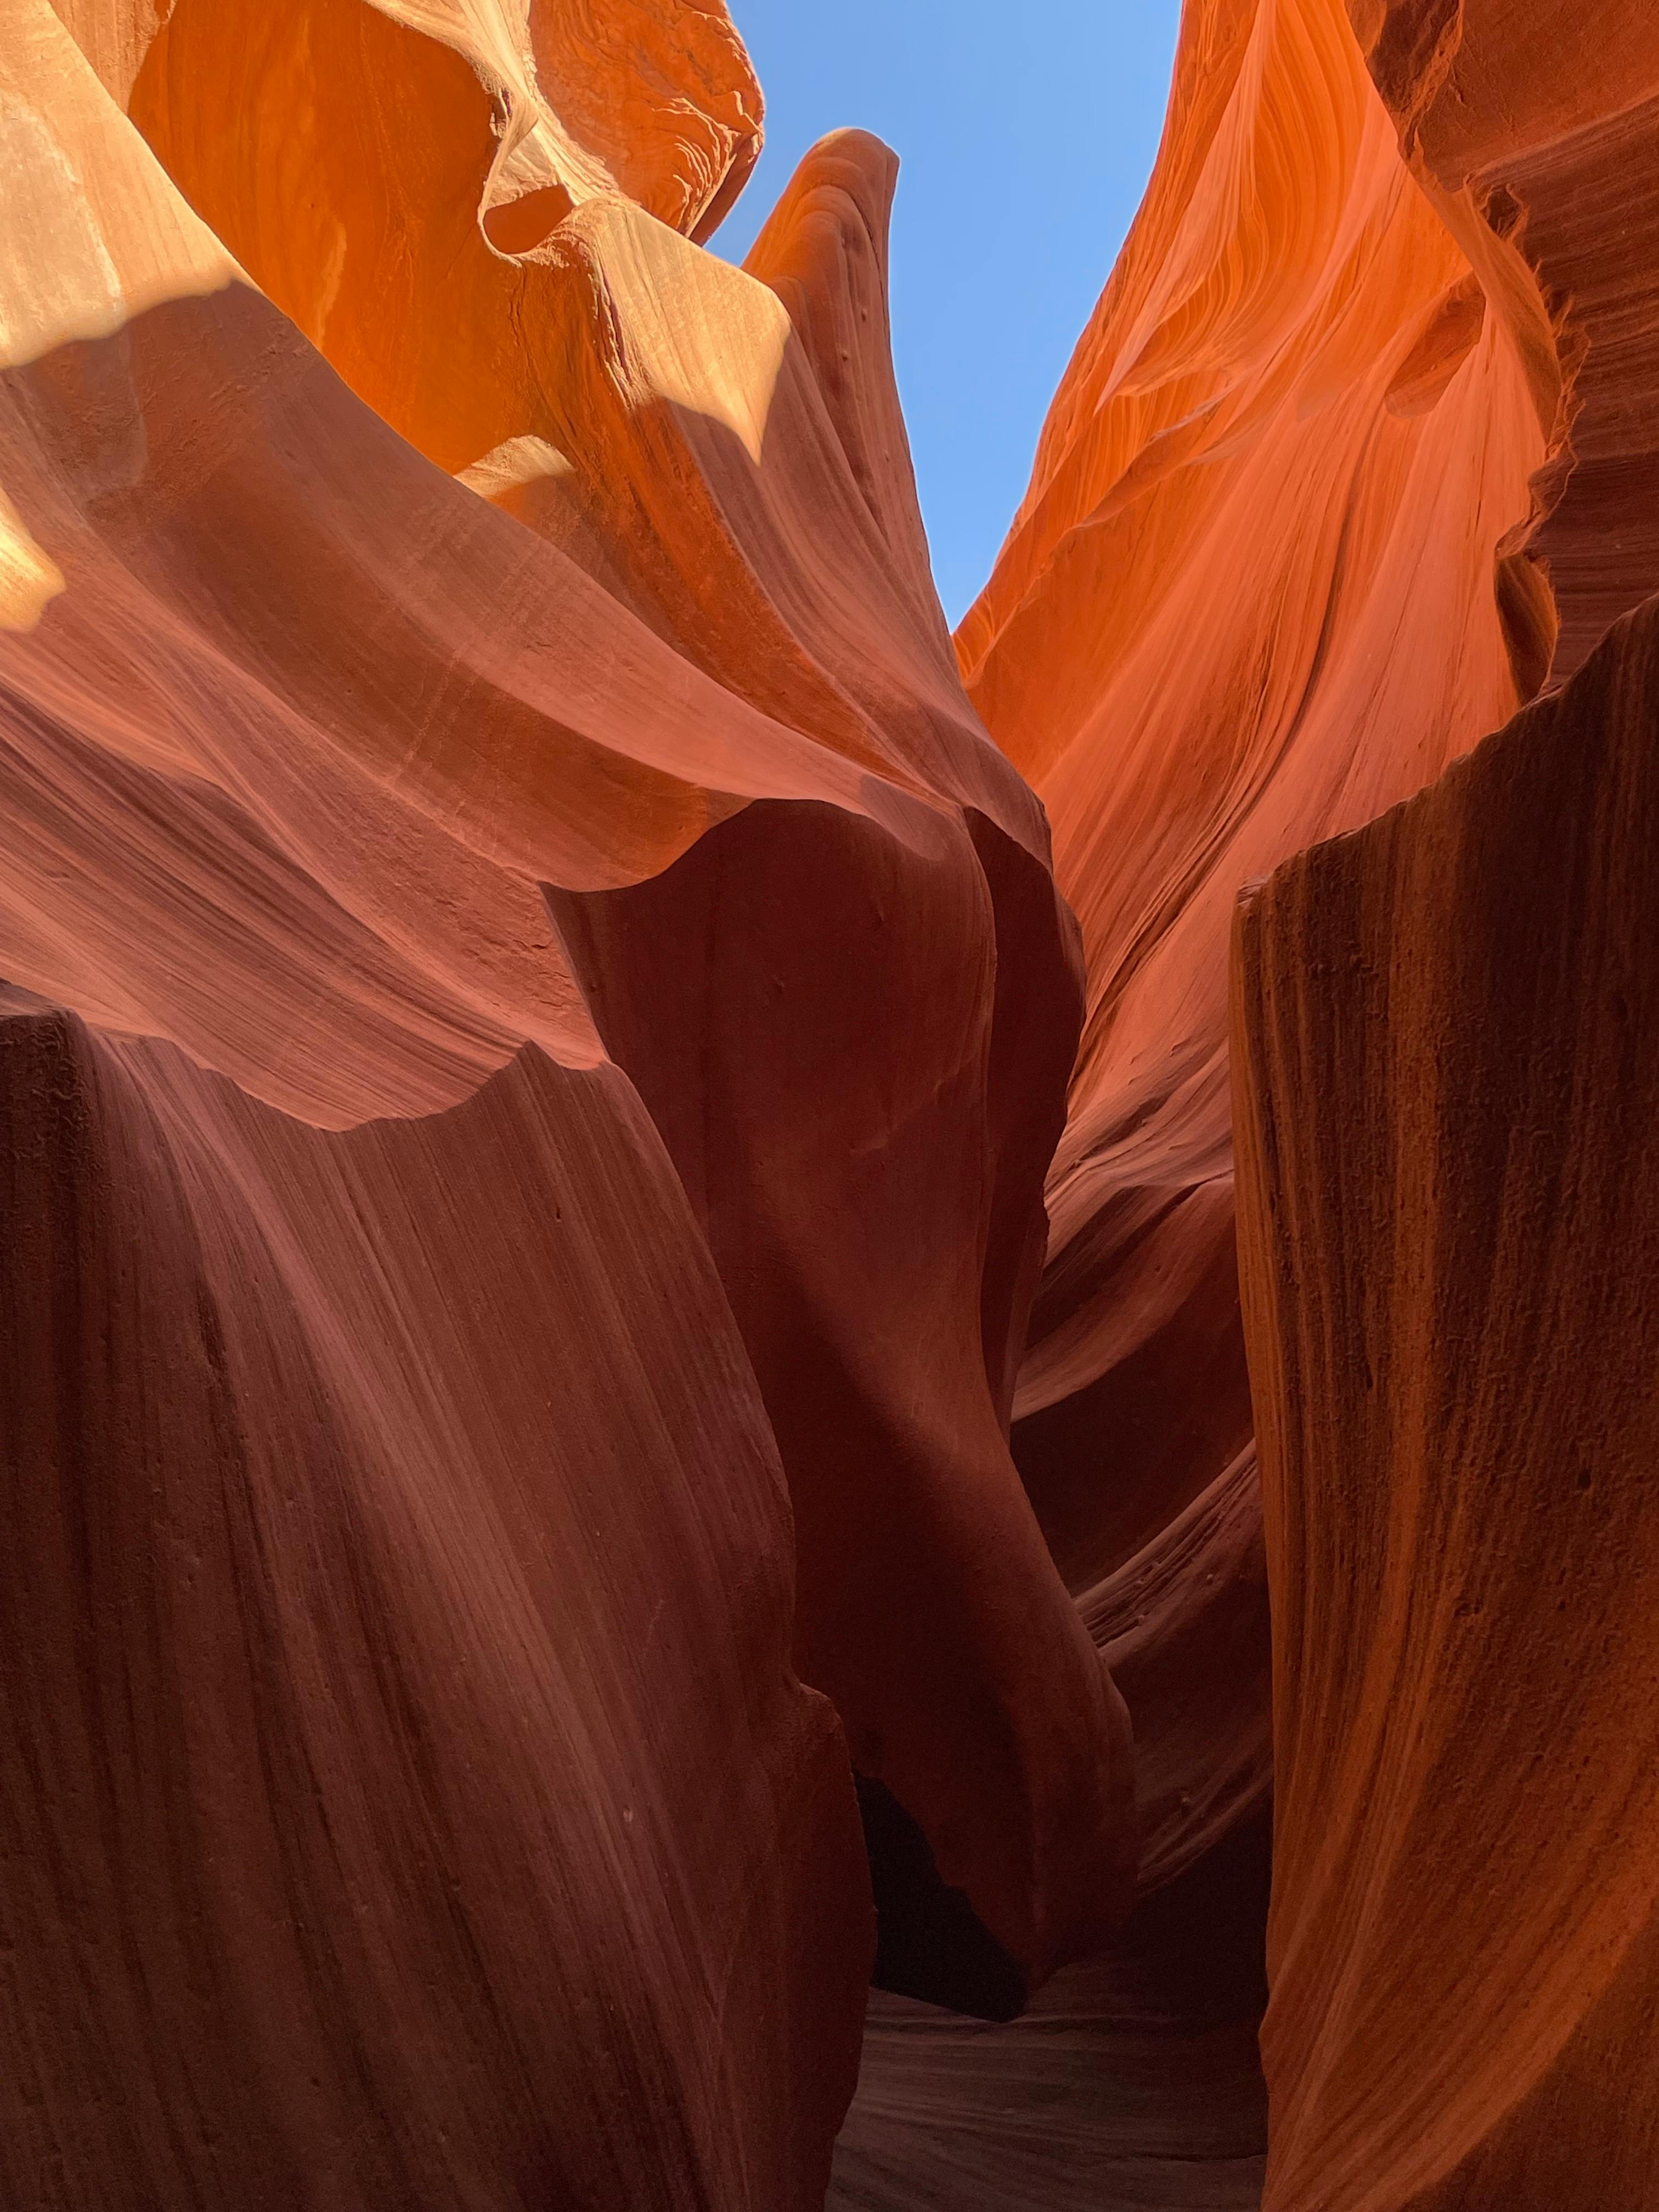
point(1249, 599)
point(1267, 580)
point(417, 152)
point(1535, 130)
point(300, 732)
point(617, 1278)
point(1352, 457)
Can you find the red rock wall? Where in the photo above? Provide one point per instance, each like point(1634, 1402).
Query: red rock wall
point(1448, 1077)
point(601, 1127)
point(297, 729)
point(1215, 633)
point(1130, 2083)
point(1249, 599)
point(409, 1799)
point(411, 1795)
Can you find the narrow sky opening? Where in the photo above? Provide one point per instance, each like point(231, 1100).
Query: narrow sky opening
point(1026, 138)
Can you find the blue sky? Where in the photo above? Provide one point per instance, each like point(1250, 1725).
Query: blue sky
point(1024, 156)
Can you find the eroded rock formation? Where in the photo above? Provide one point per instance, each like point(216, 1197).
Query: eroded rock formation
point(571, 1070)
point(1534, 131)
point(274, 796)
point(1301, 522)
point(398, 1717)
point(1451, 1275)
point(1131, 2081)
point(1256, 592)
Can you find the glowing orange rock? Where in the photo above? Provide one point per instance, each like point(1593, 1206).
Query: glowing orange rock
point(420, 145)
point(378, 717)
point(1535, 131)
point(1263, 584)
point(407, 1785)
point(854, 1038)
point(535, 1015)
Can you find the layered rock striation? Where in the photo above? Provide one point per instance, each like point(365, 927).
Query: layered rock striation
point(625, 1401)
point(1450, 1261)
point(1302, 530)
point(409, 1796)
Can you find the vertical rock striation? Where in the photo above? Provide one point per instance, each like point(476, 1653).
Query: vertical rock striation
point(720, 474)
point(1448, 1074)
point(408, 1796)
point(621, 1369)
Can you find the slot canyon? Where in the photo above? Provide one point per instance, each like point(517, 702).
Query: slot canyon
point(796, 1410)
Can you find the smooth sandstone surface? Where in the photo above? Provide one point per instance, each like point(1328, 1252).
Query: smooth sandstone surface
point(398, 1717)
point(426, 146)
point(298, 729)
point(719, 469)
point(411, 1795)
point(1131, 2084)
point(618, 1278)
point(1249, 599)
point(854, 1040)
point(1220, 629)
point(1273, 572)
point(1535, 130)
point(1450, 1262)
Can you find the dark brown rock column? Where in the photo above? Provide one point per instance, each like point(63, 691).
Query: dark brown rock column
point(1447, 1093)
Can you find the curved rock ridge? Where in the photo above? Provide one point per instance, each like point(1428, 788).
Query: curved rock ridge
point(564, 1509)
point(1183, 1627)
point(294, 751)
point(438, 1818)
point(1130, 2085)
point(855, 1043)
point(273, 733)
point(1535, 131)
point(654, 98)
point(1266, 581)
point(417, 147)
point(1450, 1240)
